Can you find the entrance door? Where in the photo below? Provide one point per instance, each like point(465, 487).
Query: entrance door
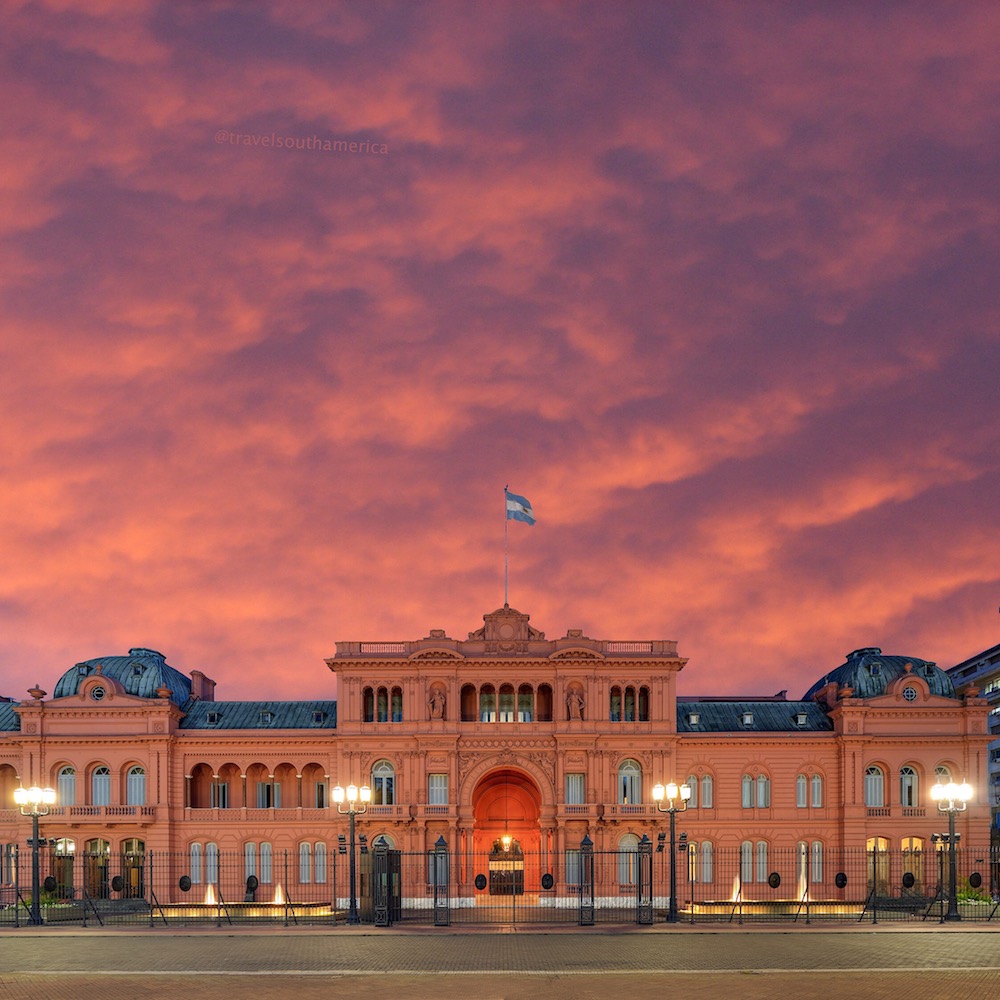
point(506, 847)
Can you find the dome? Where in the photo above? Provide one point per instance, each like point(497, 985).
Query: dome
point(868, 672)
point(141, 673)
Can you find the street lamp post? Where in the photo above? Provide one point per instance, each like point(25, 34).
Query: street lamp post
point(35, 802)
point(673, 794)
point(951, 799)
point(352, 801)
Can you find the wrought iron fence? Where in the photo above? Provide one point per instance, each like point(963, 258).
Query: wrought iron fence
point(747, 884)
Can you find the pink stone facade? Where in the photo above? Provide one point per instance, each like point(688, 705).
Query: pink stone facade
point(550, 740)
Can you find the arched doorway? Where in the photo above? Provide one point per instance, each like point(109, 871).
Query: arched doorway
point(507, 804)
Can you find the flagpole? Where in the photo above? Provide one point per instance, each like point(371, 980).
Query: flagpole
point(506, 562)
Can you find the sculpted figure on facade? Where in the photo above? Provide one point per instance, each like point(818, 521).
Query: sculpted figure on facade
point(574, 704)
point(437, 703)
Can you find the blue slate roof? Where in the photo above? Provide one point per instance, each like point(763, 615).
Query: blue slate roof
point(141, 673)
point(869, 672)
point(260, 715)
point(10, 721)
point(767, 716)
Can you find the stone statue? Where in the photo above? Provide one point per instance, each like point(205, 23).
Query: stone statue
point(437, 703)
point(574, 702)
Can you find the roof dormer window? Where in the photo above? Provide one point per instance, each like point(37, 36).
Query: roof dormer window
point(748, 718)
point(800, 718)
point(319, 718)
point(693, 718)
point(266, 717)
point(213, 718)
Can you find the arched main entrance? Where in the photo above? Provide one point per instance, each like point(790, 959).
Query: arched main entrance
point(506, 806)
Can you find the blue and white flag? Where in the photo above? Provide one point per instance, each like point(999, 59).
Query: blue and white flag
point(518, 509)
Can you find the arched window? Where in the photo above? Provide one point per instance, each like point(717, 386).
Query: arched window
point(629, 783)
point(874, 787)
point(615, 710)
point(212, 863)
point(942, 774)
point(249, 860)
point(762, 871)
point(763, 791)
point(746, 861)
point(706, 861)
point(628, 859)
point(706, 791)
point(319, 862)
point(368, 705)
point(382, 705)
point(817, 791)
point(305, 863)
point(817, 860)
point(487, 703)
point(629, 710)
point(383, 784)
point(644, 704)
point(66, 786)
point(801, 791)
point(746, 796)
point(194, 863)
point(101, 786)
point(525, 703)
point(135, 786)
point(908, 786)
point(397, 704)
point(265, 862)
point(507, 703)
point(692, 782)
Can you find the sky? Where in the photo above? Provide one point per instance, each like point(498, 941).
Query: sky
point(714, 285)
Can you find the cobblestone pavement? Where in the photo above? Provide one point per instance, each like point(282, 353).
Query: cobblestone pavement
point(924, 964)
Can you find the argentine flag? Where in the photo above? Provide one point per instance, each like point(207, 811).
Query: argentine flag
point(518, 509)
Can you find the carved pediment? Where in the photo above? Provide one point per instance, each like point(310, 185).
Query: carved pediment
point(437, 654)
point(576, 654)
point(506, 630)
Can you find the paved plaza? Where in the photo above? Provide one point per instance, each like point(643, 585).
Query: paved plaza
point(872, 963)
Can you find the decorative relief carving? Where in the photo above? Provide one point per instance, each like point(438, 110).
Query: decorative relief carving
point(157, 727)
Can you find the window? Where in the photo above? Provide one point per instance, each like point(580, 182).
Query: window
point(212, 863)
point(762, 872)
point(319, 718)
point(706, 791)
point(748, 718)
point(437, 868)
point(507, 703)
point(910, 693)
point(487, 704)
point(706, 860)
point(320, 795)
point(629, 783)
point(268, 795)
point(801, 791)
point(576, 789)
point(397, 704)
point(746, 794)
point(874, 788)
point(249, 860)
point(383, 784)
point(305, 863)
point(213, 718)
point(692, 783)
point(525, 703)
point(194, 863)
point(816, 783)
point(908, 786)
point(628, 859)
point(817, 861)
point(66, 786)
point(942, 774)
point(574, 867)
point(382, 705)
point(763, 791)
point(266, 718)
point(746, 861)
point(135, 787)
point(319, 863)
point(437, 789)
point(101, 786)
point(265, 862)
point(629, 715)
point(219, 791)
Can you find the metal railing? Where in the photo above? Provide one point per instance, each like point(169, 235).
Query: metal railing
point(734, 885)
